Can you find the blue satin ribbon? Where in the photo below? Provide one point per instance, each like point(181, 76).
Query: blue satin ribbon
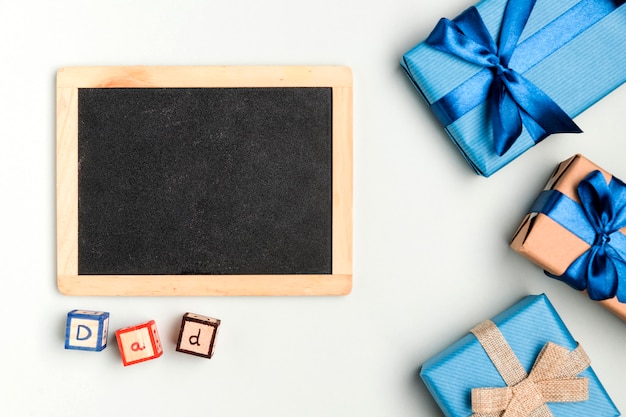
point(513, 100)
point(601, 270)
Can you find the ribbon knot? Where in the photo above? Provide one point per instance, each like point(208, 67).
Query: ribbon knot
point(597, 220)
point(501, 69)
point(602, 239)
point(553, 378)
point(513, 100)
point(527, 395)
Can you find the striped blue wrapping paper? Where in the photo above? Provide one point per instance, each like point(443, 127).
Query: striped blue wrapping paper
point(575, 76)
point(527, 326)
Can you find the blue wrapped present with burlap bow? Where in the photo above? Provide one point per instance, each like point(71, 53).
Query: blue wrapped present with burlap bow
point(522, 363)
point(504, 75)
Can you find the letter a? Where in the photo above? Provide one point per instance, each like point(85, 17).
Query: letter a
point(195, 339)
point(82, 326)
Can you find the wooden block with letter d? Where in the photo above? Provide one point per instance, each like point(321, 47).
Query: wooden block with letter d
point(197, 335)
point(139, 343)
point(86, 330)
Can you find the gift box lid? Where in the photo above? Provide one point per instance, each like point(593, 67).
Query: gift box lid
point(527, 326)
point(541, 239)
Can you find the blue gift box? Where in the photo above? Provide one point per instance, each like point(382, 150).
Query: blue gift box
point(586, 62)
point(527, 326)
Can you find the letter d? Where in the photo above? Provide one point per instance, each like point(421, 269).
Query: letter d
point(195, 339)
point(78, 331)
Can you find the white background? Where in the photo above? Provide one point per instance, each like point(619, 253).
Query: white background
point(431, 256)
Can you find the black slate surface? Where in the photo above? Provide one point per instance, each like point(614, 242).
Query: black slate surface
point(205, 181)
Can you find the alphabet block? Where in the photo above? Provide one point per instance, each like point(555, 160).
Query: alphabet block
point(86, 330)
point(197, 335)
point(139, 343)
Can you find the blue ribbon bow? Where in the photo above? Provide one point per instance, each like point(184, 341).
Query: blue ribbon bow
point(513, 100)
point(596, 220)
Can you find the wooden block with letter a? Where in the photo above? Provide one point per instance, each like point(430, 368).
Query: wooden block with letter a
point(139, 343)
point(86, 330)
point(197, 335)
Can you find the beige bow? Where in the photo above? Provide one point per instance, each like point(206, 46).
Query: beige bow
point(551, 379)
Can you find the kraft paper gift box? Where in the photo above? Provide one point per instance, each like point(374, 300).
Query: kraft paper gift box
point(559, 235)
point(570, 52)
point(534, 332)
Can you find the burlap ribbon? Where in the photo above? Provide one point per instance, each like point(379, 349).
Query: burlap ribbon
point(551, 379)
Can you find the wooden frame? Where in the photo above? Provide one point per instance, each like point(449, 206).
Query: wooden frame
point(70, 79)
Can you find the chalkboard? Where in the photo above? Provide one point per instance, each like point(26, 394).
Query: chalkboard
point(204, 180)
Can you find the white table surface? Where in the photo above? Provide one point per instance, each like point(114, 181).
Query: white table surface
point(431, 255)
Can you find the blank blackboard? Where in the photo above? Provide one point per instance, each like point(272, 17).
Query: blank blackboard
point(204, 180)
